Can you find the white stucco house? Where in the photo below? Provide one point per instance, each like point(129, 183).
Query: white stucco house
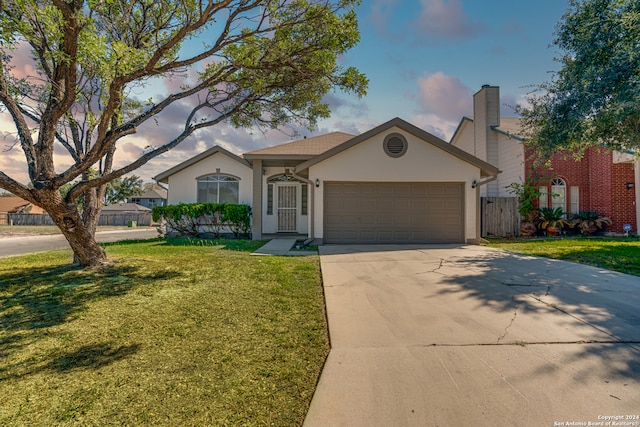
point(395, 183)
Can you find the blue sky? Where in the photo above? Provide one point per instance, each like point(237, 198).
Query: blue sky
point(424, 59)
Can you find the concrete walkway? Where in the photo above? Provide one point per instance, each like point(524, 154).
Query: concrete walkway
point(467, 335)
point(276, 247)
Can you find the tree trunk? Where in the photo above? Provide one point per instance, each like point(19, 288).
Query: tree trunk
point(79, 231)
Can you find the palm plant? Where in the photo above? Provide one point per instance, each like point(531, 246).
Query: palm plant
point(589, 222)
point(552, 220)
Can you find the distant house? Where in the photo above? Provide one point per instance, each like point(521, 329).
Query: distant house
point(16, 205)
point(602, 181)
point(122, 208)
point(151, 198)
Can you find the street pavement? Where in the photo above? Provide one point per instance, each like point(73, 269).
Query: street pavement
point(471, 336)
point(11, 246)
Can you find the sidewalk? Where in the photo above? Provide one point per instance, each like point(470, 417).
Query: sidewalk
point(281, 247)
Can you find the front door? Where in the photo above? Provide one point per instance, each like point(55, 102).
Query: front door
point(287, 207)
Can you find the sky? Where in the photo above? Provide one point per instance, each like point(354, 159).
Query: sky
point(424, 60)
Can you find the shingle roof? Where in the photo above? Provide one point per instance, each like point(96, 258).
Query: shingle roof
point(16, 204)
point(152, 193)
point(304, 147)
point(125, 207)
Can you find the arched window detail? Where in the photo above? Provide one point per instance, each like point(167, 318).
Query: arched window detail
point(218, 188)
point(559, 193)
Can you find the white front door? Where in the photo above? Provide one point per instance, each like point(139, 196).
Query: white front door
point(287, 207)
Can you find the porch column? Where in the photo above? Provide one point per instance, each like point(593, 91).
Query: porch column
point(256, 219)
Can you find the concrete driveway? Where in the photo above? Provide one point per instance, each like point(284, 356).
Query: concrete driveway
point(467, 335)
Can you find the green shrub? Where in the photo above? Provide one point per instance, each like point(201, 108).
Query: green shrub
point(196, 219)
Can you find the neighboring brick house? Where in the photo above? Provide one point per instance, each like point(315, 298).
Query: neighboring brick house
point(601, 181)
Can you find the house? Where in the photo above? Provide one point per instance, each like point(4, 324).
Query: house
point(395, 183)
point(151, 198)
point(601, 181)
point(16, 205)
point(125, 208)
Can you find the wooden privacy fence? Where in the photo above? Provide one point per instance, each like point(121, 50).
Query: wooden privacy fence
point(499, 217)
point(120, 219)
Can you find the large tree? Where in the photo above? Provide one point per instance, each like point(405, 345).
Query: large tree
point(594, 99)
point(265, 63)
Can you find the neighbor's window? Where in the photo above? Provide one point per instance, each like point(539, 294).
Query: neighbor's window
point(559, 194)
point(218, 188)
point(574, 194)
point(544, 196)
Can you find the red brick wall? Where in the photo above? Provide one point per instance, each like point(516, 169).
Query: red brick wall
point(602, 184)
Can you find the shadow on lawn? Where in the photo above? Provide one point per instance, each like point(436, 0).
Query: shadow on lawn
point(32, 300)
point(597, 308)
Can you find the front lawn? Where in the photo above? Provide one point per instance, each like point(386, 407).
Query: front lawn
point(172, 334)
point(618, 254)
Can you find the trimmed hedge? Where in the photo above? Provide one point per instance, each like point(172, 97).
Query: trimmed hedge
point(196, 219)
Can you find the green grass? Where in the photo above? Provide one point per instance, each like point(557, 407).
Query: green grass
point(175, 332)
point(617, 254)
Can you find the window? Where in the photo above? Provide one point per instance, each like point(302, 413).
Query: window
point(574, 194)
point(558, 193)
point(218, 189)
point(544, 197)
point(304, 200)
point(270, 199)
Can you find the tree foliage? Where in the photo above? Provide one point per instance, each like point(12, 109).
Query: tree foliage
point(594, 98)
point(120, 190)
point(265, 63)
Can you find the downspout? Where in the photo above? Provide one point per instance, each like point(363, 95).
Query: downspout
point(479, 239)
point(311, 205)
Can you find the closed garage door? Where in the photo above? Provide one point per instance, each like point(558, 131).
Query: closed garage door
point(383, 212)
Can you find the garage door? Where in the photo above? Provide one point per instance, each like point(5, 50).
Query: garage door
point(383, 212)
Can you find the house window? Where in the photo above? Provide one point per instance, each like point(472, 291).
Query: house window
point(218, 188)
point(574, 199)
point(304, 200)
point(558, 193)
point(270, 199)
point(544, 196)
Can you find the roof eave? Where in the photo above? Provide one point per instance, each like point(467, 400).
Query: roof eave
point(164, 176)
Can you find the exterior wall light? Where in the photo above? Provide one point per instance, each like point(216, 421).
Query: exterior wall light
point(629, 185)
point(474, 184)
point(317, 183)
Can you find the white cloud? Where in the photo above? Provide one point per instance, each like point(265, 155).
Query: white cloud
point(445, 97)
point(446, 19)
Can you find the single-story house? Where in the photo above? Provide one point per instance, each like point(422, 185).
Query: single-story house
point(150, 198)
point(395, 183)
point(125, 208)
point(602, 181)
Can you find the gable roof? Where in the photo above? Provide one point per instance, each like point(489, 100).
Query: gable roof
point(163, 177)
point(125, 207)
point(302, 149)
point(152, 193)
point(463, 122)
point(509, 126)
point(485, 168)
